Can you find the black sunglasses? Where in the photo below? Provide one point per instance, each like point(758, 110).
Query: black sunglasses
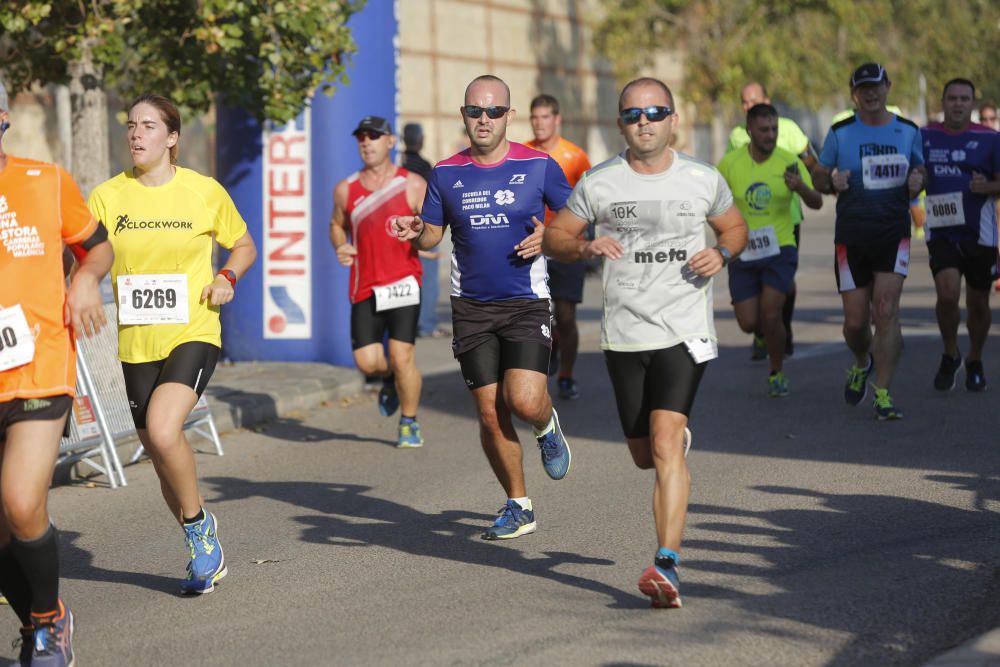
point(632, 115)
point(474, 112)
point(371, 134)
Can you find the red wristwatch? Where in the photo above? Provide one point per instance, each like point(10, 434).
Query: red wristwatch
point(229, 275)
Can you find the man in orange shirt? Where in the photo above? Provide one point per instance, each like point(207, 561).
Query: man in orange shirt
point(41, 208)
point(565, 280)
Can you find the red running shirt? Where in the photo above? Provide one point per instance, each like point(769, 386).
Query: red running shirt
point(382, 259)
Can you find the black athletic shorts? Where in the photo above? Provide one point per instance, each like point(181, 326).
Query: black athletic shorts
point(369, 326)
point(664, 379)
point(977, 263)
point(48, 408)
point(190, 364)
point(566, 280)
point(490, 337)
point(856, 265)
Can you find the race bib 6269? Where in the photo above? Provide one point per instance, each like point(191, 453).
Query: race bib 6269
point(154, 298)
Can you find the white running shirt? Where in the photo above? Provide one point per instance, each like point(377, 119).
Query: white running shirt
point(652, 300)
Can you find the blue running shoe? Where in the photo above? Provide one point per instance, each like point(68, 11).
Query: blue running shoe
point(514, 521)
point(556, 457)
point(885, 409)
point(409, 435)
point(388, 400)
point(857, 382)
point(53, 639)
point(567, 389)
point(208, 564)
point(662, 585)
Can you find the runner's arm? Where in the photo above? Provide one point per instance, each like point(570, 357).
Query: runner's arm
point(411, 228)
point(802, 187)
point(84, 305)
point(731, 230)
point(338, 219)
point(981, 186)
point(561, 241)
point(241, 257)
point(416, 190)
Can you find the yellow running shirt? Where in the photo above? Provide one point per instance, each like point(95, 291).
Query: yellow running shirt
point(165, 231)
point(759, 189)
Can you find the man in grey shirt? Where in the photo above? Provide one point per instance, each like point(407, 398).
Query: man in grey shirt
point(650, 205)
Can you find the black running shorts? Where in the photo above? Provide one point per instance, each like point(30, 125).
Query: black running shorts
point(566, 280)
point(369, 326)
point(664, 379)
point(493, 336)
point(978, 264)
point(190, 364)
point(48, 408)
point(856, 265)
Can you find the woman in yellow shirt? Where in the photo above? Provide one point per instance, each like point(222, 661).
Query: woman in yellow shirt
point(162, 220)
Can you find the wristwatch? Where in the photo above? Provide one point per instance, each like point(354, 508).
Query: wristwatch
point(229, 275)
point(726, 255)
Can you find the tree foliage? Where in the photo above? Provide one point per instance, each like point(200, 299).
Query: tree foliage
point(267, 56)
point(805, 50)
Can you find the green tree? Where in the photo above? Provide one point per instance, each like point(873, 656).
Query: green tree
point(805, 49)
point(267, 56)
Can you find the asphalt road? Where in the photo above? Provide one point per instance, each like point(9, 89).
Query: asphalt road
point(817, 535)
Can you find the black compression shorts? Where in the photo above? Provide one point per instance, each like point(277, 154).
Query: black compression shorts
point(369, 326)
point(665, 379)
point(190, 364)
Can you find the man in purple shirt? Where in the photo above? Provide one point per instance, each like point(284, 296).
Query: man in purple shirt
point(963, 180)
point(493, 196)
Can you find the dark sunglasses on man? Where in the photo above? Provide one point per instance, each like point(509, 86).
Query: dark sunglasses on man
point(371, 134)
point(474, 112)
point(654, 114)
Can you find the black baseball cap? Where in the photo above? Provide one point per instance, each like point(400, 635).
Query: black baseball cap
point(375, 124)
point(869, 73)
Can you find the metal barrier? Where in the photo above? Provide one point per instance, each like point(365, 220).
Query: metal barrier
point(103, 418)
point(89, 435)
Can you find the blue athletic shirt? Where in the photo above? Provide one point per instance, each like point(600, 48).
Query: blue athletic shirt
point(489, 208)
point(953, 212)
point(875, 208)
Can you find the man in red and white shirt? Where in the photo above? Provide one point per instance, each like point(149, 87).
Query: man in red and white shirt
point(385, 274)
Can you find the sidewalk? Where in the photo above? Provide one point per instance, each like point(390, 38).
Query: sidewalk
point(983, 651)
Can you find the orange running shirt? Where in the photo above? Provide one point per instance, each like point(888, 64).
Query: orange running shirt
point(571, 158)
point(40, 209)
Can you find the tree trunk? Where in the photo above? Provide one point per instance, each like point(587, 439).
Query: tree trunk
point(91, 151)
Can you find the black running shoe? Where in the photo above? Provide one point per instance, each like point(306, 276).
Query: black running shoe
point(975, 379)
point(947, 372)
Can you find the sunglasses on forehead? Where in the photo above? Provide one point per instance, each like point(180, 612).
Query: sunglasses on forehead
point(632, 115)
point(474, 112)
point(371, 134)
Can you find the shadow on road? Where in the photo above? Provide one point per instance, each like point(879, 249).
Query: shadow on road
point(78, 563)
point(872, 566)
point(343, 515)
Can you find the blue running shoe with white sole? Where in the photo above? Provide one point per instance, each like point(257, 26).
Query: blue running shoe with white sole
point(662, 585)
point(556, 457)
point(514, 521)
point(53, 639)
point(409, 435)
point(208, 563)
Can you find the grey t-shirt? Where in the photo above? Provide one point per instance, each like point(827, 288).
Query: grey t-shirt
point(652, 300)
